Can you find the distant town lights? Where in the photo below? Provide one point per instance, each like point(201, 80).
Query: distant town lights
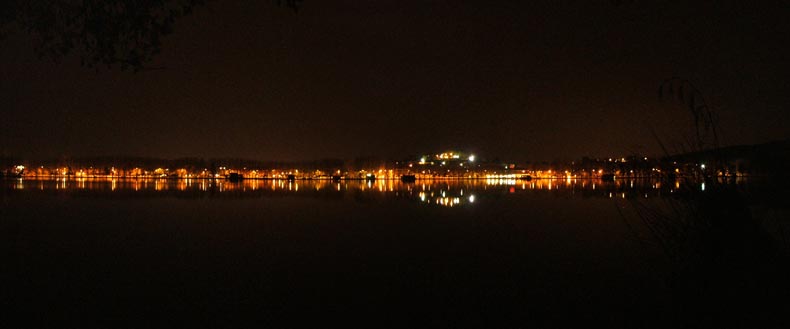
point(471, 158)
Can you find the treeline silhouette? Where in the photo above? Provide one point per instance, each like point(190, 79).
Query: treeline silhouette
point(767, 159)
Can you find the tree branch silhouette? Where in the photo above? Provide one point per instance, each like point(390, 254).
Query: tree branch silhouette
point(123, 33)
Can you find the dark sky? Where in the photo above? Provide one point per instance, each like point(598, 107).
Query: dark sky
point(522, 80)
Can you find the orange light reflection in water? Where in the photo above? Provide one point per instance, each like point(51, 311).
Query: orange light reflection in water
point(436, 192)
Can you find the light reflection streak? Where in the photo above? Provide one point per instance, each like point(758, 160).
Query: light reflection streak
point(440, 192)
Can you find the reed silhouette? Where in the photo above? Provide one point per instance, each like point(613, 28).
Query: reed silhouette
point(725, 268)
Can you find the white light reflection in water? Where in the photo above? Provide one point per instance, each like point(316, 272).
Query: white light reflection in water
point(443, 192)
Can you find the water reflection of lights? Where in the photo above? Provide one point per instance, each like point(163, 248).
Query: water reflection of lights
point(442, 198)
point(448, 202)
point(500, 181)
point(440, 192)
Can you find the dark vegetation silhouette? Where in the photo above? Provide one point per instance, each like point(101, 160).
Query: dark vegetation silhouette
point(122, 33)
point(704, 123)
point(726, 269)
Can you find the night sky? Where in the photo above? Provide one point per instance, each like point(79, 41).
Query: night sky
point(521, 80)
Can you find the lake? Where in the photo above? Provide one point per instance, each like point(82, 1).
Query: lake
point(509, 253)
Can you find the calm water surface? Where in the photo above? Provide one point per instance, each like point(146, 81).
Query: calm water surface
point(117, 253)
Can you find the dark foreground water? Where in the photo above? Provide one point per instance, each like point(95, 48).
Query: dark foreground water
point(136, 253)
